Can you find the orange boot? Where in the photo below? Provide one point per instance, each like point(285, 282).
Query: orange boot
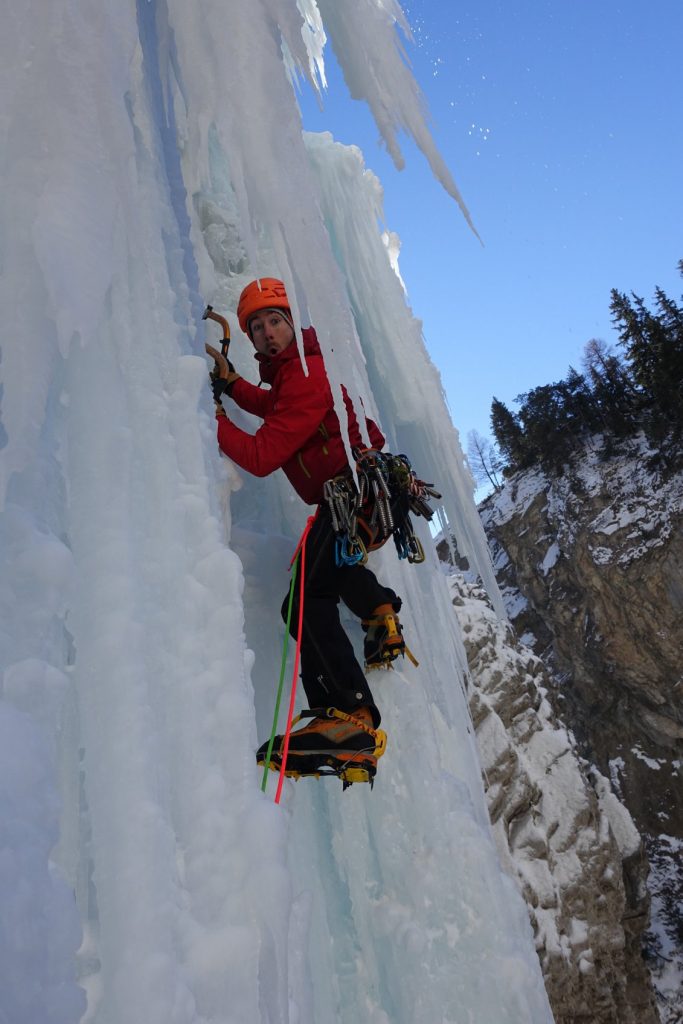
point(335, 742)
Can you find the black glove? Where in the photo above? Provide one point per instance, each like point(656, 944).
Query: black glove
point(223, 385)
point(220, 386)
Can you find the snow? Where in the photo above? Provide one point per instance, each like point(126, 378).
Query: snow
point(641, 508)
point(616, 768)
point(620, 821)
point(142, 574)
point(600, 555)
point(517, 498)
point(654, 763)
point(664, 884)
point(551, 557)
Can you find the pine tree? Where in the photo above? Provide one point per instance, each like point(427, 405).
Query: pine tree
point(579, 405)
point(616, 401)
point(653, 343)
point(615, 396)
point(544, 418)
point(508, 434)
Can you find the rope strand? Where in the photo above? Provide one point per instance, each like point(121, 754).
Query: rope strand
point(281, 680)
point(301, 549)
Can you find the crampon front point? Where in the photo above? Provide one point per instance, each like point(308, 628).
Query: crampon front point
point(384, 639)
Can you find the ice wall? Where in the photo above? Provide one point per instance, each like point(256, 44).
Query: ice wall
point(405, 383)
point(153, 160)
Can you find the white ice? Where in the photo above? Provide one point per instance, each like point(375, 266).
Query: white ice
point(153, 161)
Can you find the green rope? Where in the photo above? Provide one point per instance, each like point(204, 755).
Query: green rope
point(282, 676)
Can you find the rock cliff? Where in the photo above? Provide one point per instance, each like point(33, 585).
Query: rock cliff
point(566, 839)
point(591, 566)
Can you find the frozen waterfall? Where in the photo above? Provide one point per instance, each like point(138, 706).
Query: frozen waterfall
point(153, 160)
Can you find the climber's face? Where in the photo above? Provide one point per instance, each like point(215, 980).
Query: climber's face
point(270, 332)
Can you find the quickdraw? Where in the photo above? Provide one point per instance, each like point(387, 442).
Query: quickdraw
point(344, 503)
point(380, 507)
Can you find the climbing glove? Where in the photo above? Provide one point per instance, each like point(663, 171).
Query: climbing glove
point(223, 386)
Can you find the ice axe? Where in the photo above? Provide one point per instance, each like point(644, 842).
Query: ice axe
point(209, 314)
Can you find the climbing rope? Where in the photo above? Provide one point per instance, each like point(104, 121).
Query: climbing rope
point(299, 553)
point(281, 680)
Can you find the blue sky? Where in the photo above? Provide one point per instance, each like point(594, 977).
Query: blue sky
point(562, 123)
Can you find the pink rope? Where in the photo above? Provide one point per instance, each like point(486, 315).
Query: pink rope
point(290, 712)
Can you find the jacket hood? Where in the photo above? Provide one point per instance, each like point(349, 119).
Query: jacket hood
point(270, 365)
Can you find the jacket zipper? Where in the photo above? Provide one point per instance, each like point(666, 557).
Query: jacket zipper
point(322, 429)
point(301, 463)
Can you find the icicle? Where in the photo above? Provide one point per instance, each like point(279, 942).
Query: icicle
point(376, 69)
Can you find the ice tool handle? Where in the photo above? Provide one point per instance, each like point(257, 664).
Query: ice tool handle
point(209, 314)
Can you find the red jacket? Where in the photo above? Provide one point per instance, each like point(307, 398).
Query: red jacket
point(300, 431)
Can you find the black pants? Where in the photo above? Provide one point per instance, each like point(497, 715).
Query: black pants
point(330, 673)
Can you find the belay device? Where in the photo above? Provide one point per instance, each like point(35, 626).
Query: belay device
point(365, 516)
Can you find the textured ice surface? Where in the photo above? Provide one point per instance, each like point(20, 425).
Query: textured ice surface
point(153, 160)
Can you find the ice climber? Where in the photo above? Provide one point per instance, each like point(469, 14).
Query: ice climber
point(301, 434)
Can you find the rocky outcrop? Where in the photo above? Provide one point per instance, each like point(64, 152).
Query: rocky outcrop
point(561, 833)
point(591, 566)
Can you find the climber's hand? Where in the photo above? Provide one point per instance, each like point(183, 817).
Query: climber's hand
point(220, 387)
point(223, 377)
point(224, 367)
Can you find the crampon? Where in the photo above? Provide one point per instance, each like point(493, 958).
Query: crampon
point(335, 744)
point(384, 639)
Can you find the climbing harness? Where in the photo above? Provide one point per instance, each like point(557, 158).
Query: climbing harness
point(365, 515)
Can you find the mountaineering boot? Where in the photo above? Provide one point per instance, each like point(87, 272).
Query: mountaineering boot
point(384, 638)
point(335, 742)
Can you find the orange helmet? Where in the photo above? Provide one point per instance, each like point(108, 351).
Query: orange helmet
point(264, 293)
